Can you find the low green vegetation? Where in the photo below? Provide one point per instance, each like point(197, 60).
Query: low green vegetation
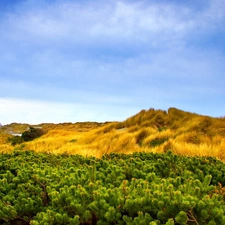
point(141, 188)
point(157, 142)
point(28, 135)
point(31, 134)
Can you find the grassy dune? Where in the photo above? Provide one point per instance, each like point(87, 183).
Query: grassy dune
point(150, 130)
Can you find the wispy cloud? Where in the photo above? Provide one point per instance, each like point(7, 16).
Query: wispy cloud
point(121, 21)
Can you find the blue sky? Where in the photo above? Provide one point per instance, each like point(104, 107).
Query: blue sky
point(69, 61)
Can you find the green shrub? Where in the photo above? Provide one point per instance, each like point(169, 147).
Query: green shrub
point(32, 133)
point(157, 142)
point(15, 140)
point(29, 135)
point(142, 188)
point(73, 141)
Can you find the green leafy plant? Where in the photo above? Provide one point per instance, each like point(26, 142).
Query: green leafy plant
point(142, 188)
point(157, 142)
point(15, 140)
point(28, 135)
point(32, 133)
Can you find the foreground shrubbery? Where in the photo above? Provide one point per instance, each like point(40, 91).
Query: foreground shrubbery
point(142, 188)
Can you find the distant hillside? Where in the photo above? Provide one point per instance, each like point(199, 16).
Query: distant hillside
point(149, 131)
point(14, 128)
point(79, 126)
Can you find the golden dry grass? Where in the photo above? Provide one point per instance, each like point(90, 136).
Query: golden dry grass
point(150, 130)
point(4, 145)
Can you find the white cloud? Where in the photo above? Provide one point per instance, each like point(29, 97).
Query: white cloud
point(73, 94)
point(36, 112)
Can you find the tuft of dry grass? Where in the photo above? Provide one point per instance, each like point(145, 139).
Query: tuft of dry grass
point(150, 130)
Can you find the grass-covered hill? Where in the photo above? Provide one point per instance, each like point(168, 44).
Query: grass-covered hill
point(150, 130)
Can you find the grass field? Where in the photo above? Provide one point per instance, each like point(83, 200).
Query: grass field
point(150, 130)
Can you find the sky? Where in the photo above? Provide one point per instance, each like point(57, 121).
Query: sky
point(83, 60)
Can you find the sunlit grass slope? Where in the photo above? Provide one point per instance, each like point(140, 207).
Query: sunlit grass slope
point(150, 130)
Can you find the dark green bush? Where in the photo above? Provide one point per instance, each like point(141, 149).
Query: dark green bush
point(29, 135)
point(32, 133)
